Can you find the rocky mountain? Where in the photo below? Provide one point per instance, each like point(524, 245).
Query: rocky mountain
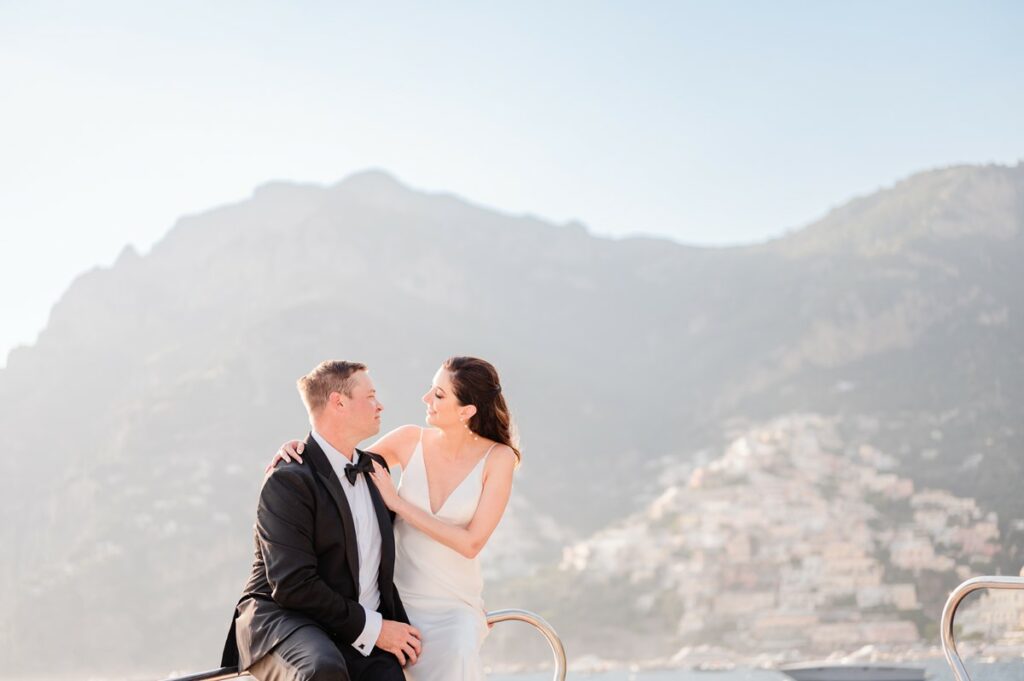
point(138, 425)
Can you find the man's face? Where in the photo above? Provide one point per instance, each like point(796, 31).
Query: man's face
point(361, 410)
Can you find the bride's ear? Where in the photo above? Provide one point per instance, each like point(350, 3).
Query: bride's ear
point(468, 412)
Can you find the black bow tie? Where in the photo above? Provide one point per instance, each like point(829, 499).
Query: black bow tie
point(352, 471)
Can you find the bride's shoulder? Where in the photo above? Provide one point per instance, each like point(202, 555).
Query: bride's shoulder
point(501, 457)
point(397, 445)
point(409, 430)
point(405, 437)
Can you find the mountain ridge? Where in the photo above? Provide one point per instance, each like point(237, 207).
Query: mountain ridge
point(922, 189)
point(380, 183)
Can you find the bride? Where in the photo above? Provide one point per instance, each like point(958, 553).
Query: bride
point(456, 482)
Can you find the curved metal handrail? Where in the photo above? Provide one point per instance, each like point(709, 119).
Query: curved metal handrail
point(538, 622)
point(949, 612)
point(557, 649)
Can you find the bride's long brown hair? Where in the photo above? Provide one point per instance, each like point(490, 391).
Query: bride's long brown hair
point(476, 382)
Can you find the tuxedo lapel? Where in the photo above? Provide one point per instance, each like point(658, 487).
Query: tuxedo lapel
point(387, 534)
point(325, 470)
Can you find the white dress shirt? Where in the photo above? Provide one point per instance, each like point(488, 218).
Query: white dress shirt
point(368, 542)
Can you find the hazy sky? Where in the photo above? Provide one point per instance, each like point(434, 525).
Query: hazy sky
point(710, 123)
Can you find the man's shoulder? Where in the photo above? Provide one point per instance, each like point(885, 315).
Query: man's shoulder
point(290, 474)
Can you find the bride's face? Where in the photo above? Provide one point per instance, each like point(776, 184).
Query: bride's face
point(443, 408)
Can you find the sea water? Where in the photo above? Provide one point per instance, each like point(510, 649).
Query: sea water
point(937, 670)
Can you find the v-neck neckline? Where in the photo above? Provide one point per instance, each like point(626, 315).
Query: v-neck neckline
point(426, 478)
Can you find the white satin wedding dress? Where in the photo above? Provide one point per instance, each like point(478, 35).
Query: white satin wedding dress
point(440, 588)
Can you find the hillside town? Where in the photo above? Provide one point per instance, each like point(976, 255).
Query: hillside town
point(793, 543)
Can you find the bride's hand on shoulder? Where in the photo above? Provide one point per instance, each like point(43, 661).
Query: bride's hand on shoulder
point(385, 485)
point(289, 450)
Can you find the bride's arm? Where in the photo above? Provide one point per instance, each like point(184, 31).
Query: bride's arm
point(469, 540)
point(397, 445)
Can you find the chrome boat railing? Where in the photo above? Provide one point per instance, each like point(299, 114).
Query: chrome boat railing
point(949, 612)
point(539, 623)
point(533, 619)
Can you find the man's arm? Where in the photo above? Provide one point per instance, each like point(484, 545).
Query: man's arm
point(284, 528)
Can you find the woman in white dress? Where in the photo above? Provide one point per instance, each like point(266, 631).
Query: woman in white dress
point(456, 482)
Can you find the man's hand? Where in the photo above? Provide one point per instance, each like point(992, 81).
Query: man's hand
point(401, 640)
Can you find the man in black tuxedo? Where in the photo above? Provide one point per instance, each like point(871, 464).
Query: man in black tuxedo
point(320, 604)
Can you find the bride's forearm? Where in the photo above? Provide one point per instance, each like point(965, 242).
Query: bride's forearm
point(456, 538)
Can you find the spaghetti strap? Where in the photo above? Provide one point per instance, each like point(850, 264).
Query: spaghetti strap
point(412, 454)
point(488, 452)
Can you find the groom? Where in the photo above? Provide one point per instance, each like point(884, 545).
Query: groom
point(320, 604)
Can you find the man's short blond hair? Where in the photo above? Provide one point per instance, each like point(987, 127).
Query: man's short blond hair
point(330, 376)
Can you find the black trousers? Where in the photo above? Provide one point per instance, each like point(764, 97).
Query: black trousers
point(309, 654)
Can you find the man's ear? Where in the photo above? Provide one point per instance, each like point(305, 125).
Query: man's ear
point(336, 399)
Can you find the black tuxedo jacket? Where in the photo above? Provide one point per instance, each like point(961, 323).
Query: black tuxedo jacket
point(306, 568)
